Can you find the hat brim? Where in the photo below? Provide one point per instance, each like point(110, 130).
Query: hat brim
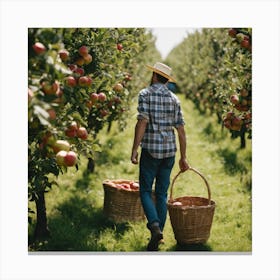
point(170, 79)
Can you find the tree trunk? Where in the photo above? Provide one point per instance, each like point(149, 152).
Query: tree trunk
point(242, 138)
point(90, 165)
point(41, 230)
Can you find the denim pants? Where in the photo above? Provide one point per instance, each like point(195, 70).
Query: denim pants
point(155, 169)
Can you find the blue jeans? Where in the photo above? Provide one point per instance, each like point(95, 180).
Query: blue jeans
point(151, 169)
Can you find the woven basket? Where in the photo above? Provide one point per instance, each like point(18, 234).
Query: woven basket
point(121, 205)
point(192, 220)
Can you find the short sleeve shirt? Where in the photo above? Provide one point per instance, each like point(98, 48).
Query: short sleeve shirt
point(162, 109)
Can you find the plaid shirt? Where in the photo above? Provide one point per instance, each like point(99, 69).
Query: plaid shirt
point(163, 111)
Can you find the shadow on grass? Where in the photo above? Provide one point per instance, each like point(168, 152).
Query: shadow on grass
point(191, 247)
point(231, 163)
point(77, 224)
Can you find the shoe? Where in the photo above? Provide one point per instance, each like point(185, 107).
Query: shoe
point(156, 236)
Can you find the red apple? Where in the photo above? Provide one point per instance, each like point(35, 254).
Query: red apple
point(82, 133)
point(71, 81)
point(71, 132)
point(234, 99)
point(52, 114)
point(49, 88)
point(73, 125)
point(70, 158)
point(94, 97)
point(102, 96)
point(60, 156)
point(72, 67)
point(63, 54)
point(245, 44)
point(39, 48)
point(118, 87)
point(83, 81)
point(232, 32)
point(104, 113)
point(119, 47)
point(89, 81)
point(80, 71)
point(83, 50)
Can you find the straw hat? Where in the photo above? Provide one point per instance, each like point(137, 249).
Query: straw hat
point(163, 70)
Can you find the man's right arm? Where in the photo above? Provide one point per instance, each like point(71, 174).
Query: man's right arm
point(183, 163)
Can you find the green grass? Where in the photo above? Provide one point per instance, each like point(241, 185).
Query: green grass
point(75, 207)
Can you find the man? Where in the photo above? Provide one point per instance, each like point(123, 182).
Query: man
point(159, 112)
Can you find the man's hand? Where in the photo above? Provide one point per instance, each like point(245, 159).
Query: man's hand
point(183, 164)
point(134, 157)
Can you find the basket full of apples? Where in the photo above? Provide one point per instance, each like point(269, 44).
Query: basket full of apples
point(122, 201)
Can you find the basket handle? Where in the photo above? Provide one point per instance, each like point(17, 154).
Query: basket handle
point(197, 172)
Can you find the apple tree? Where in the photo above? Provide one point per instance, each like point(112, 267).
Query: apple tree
point(78, 82)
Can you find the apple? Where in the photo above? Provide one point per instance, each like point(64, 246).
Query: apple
point(94, 97)
point(39, 48)
point(177, 203)
point(71, 81)
point(227, 123)
point(52, 114)
point(71, 132)
point(80, 71)
point(63, 54)
point(60, 145)
point(102, 96)
point(80, 61)
point(117, 100)
point(89, 104)
point(49, 88)
point(234, 99)
point(232, 32)
point(118, 87)
point(125, 186)
point(83, 50)
point(72, 67)
point(88, 58)
point(244, 92)
point(83, 81)
point(70, 159)
point(82, 133)
point(60, 156)
point(237, 121)
point(119, 47)
point(73, 125)
point(229, 115)
point(245, 44)
point(239, 37)
point(89, 81)
point(104, 113)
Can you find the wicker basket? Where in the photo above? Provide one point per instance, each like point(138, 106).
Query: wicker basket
point(192, 217)
point(121, 205)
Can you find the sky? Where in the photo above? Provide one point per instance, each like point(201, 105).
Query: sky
point(169, 37)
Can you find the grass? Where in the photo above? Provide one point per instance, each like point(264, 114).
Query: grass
point(75, 207)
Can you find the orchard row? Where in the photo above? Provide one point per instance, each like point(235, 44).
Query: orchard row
point(214, 70)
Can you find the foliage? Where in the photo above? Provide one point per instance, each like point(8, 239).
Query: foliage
point(67, 69)
point(213, 69)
